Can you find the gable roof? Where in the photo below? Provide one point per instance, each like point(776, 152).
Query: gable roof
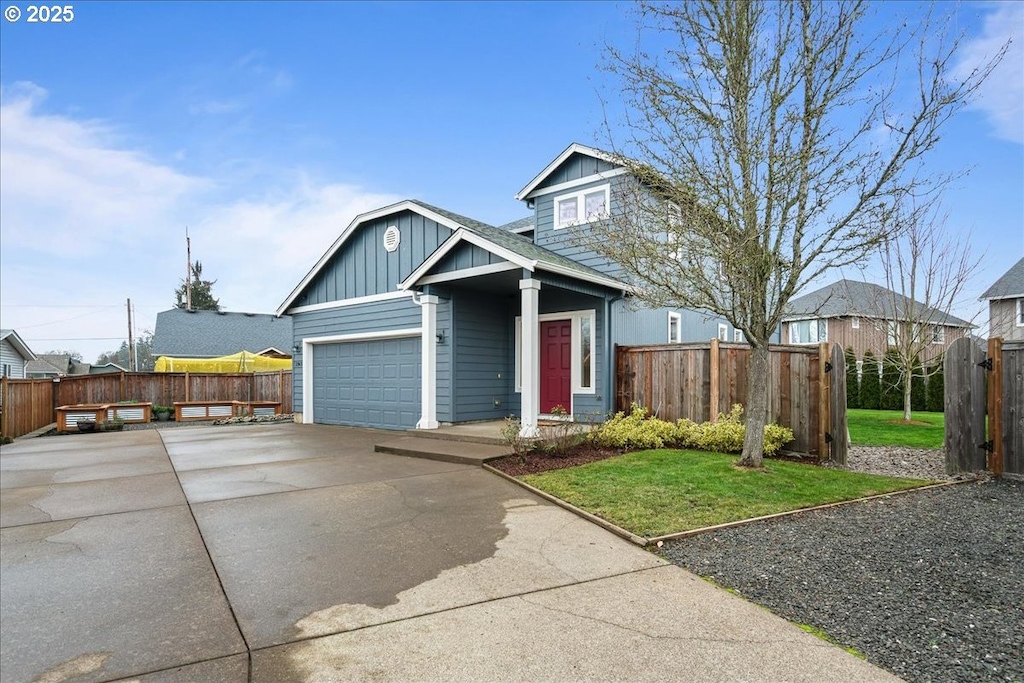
point(520, 226)
point(1009, 286)
point(865, 299)
point(509, 246)
point(574, 148)
point(12, 338)
point(210, 334)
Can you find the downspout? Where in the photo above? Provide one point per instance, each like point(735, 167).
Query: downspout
point(609, 351)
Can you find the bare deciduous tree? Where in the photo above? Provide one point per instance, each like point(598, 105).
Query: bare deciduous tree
point(925, 270)
point(768, 141)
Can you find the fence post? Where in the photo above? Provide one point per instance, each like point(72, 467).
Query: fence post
point(824, 390)
point(120, 392)
point(714, 397)
point(188, 385)
point(964, 405)
point(995, 405)
point(840, 446)
point(5, 405)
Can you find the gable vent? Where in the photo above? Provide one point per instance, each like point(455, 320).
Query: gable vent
point(391, 238)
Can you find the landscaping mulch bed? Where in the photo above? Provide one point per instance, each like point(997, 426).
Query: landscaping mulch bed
point(514, 466)
point(926, 584)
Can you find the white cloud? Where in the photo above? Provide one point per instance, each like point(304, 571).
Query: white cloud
point(1001, 97)
point(90, 220)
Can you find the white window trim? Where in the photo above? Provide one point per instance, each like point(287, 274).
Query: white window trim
point(737, 336)
point(1019, 319)
point(855, 322)
point(938, 334)
point(678, 319)
point(576, 359)
point(723, 332)
point(821, 338)
point(581, 205)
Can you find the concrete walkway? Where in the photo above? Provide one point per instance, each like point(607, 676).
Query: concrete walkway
point(295, 553)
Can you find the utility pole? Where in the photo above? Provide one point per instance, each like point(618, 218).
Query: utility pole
point(131, 340)
point(188, 272)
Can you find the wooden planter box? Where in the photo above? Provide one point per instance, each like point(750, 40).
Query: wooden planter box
point(68, 416)
point(222, 410)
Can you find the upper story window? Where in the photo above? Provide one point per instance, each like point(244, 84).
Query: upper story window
point(855, 322)
point(1020, 312)
point(723, 332)
point(893, 333)
point(938, 334)
point(737, 336)
point(675, 328)
point(581, 207)
point(808, 331)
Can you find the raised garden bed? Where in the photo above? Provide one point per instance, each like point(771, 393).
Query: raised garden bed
point(69, 416)
point(220, 410)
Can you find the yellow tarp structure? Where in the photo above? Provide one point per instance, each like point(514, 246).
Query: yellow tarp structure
point(243, 361)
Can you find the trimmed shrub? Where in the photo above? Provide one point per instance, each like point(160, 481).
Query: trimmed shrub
point(935, 398)
point(852, 381)
point(870, 385)
point(638, 431)
point(892, 382)
point(918, 390)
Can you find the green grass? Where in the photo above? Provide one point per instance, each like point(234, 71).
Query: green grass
point(886, 428)
point(652, 493)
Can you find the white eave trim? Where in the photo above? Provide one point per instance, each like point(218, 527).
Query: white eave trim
point(1004, 297)
point(365, 336)
point(569, 151)
point(14, 339)
point(406, 205)
point(464, 235)
point(357, 301)
point(586, 277)
point(468, 273)
point(579, 182)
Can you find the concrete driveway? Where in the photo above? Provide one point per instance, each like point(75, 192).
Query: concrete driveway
point(293, 552)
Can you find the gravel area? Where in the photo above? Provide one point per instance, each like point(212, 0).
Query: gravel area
point(927, 584)
point(897, 461)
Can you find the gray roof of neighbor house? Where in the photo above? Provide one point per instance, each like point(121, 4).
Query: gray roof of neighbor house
point(210, 334)
point(15, 340)
point(49, 364)
point(1011, 284)
point(865, 299)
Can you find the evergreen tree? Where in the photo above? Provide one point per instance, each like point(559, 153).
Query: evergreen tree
point(202, 292)
point(870, 386)
point(918, 391)
point(892, 382)
point(852, 381)
point(144, 344)
point(936, 387)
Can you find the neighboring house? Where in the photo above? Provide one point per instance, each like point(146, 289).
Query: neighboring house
point(1006, 304)
point(14, 355)
point(106, 368)
point(864, 316)
point(52, 365)
point(211, 334)
point(417, 316)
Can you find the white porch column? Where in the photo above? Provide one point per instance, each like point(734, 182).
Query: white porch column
point(530, 289)
point(428, 381)
point(307, 382)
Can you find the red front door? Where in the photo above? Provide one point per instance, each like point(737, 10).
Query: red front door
point(556, 365)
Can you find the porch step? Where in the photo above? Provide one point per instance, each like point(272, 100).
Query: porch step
point(443, 435)
point(462, 452)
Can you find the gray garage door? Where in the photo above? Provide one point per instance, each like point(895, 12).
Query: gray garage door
point(367, 383)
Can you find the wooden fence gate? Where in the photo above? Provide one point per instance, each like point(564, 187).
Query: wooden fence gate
point(807, 387)
point(980, 385)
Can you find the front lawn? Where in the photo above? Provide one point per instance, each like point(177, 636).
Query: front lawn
point(652, 493)
point(887, 428)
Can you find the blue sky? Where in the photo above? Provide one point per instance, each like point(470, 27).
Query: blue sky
point(266, 127)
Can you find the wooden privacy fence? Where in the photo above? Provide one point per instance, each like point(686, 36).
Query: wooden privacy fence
point(807, 387)
point(37, 406)
point(25, 405)
point(980, 385)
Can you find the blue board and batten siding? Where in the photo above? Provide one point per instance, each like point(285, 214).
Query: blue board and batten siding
point(362, 267)
point(466, 255)
point(577, 166)
point(483, 372)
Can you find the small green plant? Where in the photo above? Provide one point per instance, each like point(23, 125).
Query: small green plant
point(158, 409)
point(562, 437)
point(114, 424)
point(511, 433)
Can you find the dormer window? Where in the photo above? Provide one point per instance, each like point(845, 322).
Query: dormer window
point(581, 207)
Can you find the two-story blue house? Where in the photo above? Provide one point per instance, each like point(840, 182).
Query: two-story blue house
point(418, 316)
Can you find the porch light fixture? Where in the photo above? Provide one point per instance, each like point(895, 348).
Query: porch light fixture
point(440, 337)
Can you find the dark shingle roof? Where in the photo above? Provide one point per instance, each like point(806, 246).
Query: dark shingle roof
point(1011, 284)
point(210, 334)
point(521, 225)
point(855, 298)
point(517, 244)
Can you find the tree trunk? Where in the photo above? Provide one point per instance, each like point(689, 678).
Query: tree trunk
point(757, 406)
point(907, 392)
